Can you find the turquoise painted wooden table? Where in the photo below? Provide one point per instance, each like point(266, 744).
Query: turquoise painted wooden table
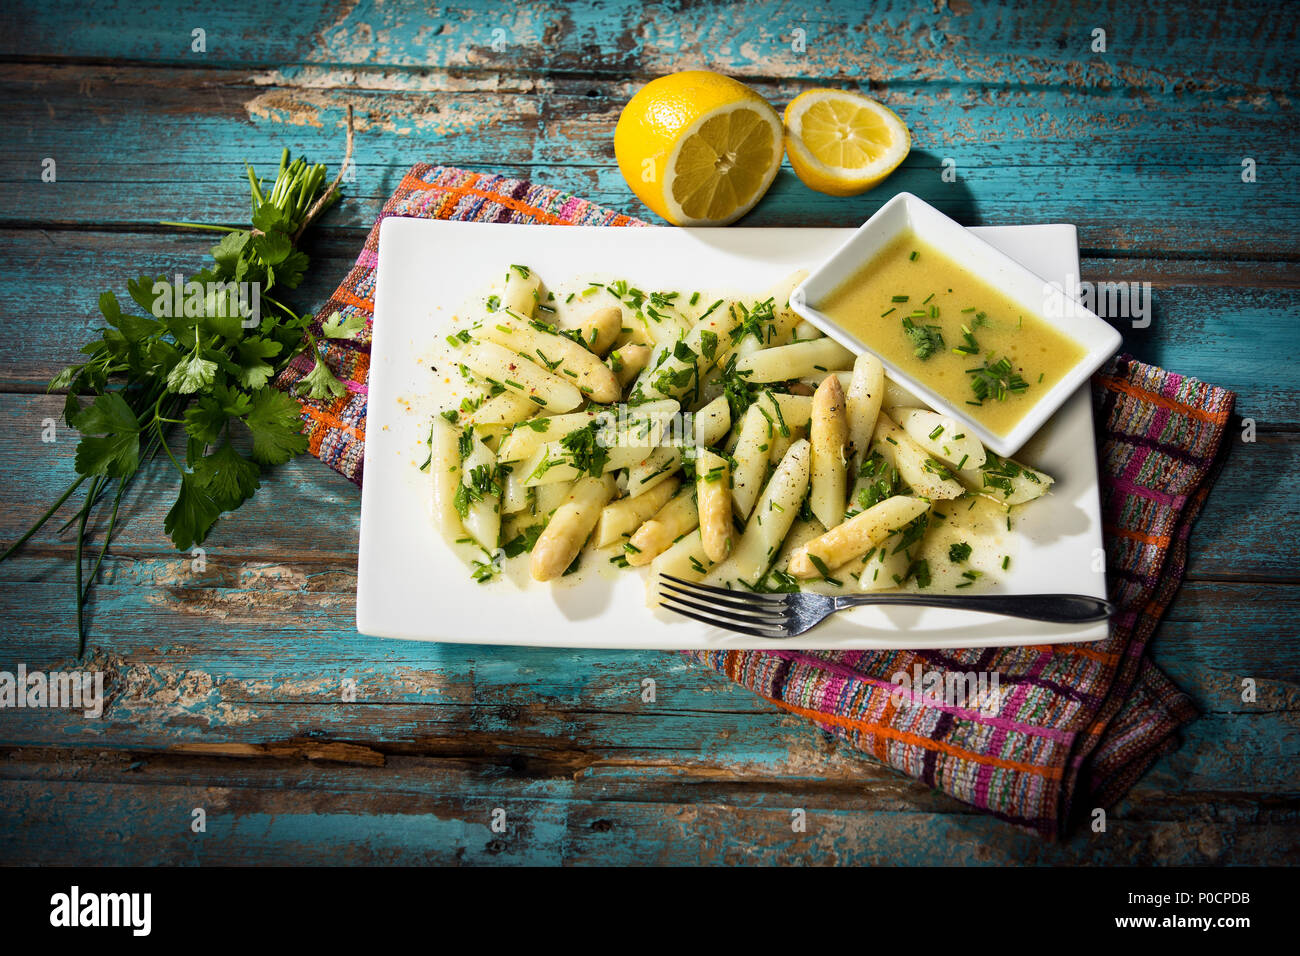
point(225, 680)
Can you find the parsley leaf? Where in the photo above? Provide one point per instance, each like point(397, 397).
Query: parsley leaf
point(110, 442)
point(191, 374)
point(227, 476)
point(337, 327)
point(275, 421)
point(192, 516)
point(320, 382)
point(254, 372)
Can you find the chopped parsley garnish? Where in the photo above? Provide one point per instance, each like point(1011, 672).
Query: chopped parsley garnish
point(756, 322)
point(737, 389)
point(709, 310)
point(999, 473)
point(882, 481)
point(824, 571)
point(708, 344)
point(781, 583)
point(785, 429)
point(485, 571)
point(936, 467)
point(523, 541)
point(484, 480)
point(585, 451)
point(911, 533)
point(959, 552)
point(995, 380)
point(925, 339)
point(969, 346)
point(919, 569)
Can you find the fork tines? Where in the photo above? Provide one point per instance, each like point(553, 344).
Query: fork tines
point(759, 615)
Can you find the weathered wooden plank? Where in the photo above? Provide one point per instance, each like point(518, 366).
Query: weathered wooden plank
point(1184, 49)
point(238, 669)
point(265, 821)
point(1129, 180)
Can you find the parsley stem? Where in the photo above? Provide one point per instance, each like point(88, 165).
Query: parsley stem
point(162, 438)
point(199, 225)
point(40, 522)
point(81, 541)
point(292, 314)
point(255, 187)
point(108, 536)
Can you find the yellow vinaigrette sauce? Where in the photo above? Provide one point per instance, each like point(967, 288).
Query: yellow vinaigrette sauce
point(953, 332)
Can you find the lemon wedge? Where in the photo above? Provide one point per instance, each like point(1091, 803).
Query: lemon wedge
point(698, 148)
point(843, 143)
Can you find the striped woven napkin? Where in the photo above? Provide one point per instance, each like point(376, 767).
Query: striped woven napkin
point(1076, 724)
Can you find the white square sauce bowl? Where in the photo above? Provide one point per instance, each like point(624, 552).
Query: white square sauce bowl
point(1047, 301)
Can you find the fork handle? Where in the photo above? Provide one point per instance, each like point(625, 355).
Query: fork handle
point(1056, 608)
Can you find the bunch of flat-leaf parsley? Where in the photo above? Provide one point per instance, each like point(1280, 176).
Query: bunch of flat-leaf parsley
point(199, 362)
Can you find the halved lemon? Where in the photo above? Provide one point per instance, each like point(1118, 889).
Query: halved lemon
point(698, 148)
point(843, 143)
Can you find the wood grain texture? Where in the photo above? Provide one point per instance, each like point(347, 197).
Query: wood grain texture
point(225, 681)
point(1114, 163)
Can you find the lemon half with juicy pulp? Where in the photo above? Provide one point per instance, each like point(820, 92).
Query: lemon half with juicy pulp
point(698, 148)
point(843, 143)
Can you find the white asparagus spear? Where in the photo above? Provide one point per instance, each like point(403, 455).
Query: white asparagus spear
point(570, 527)
point(829, 435)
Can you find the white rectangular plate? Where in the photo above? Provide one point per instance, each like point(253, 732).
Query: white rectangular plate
point(412, 584)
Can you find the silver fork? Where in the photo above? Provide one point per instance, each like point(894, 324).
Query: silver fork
point(785, 615)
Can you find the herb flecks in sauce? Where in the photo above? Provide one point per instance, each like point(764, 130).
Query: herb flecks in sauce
point(954, 333)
